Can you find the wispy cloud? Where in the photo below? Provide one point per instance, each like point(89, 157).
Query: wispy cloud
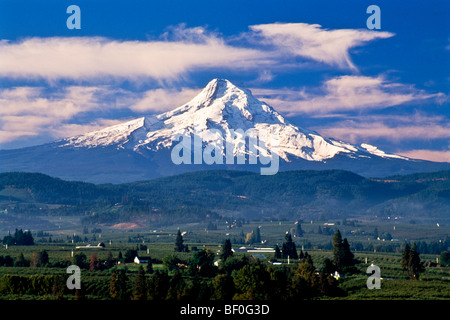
point(31, 111)
point(263, 52)
point(425, 154)
point(84, 58)
point(396, 130)
point(346, 93)
point(21, 101)
point(314, 42)
point(357, 132)
point(179, 51)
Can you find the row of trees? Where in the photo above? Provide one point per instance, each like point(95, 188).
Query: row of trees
point(20, 238)
point(235, 278)
point(198, 279)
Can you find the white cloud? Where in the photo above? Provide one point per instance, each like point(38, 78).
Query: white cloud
point(31, 111)
point(22, 101)
point(357, 132)
point(84, 58)
point(178, 51)
point(314, 42)
point(347, 93)
point(417, 128)
point(425, 154)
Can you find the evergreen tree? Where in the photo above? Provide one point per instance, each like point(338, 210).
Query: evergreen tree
point(118, 285)
point(177, 286)
point(411, 261)
point(338, 251)
point(348, 255)
point(288, 248)
point(149, 268)
point(415, 266)
point(110, 260)
point(342, 255)
point(277, 254)
point(299, 230)
point(257, 235)
point(226, 250)
point(405, 257)
point(113, 284)
point(158, 285)
point(44, 257)
point(179, 246)
point(140, 285)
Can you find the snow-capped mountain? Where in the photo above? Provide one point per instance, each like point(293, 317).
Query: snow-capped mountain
point(224, 107)
point(141, 148)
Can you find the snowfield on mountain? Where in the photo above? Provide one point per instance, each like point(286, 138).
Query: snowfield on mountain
point(140, 149)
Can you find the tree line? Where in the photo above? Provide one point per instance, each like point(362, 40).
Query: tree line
point(238, 278)
point(20, 238)
point(201, 277)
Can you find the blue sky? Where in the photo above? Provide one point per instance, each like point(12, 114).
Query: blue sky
point(315, 62)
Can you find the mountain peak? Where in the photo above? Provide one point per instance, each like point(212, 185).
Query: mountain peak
point(222, 106)
point(220, 85)
point(219, 89)
point(142, 148)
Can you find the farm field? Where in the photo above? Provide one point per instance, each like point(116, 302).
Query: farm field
point(159, 243)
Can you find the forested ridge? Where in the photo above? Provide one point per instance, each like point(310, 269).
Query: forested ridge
point(193, 195)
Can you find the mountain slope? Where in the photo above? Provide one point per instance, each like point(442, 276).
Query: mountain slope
point(221, 114)
point(224, 107)
point(336, 194)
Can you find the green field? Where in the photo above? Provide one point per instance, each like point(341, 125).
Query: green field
point(434, 282)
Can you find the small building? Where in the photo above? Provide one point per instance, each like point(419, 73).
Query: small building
point(253, 249)
point(101, 245)
point(242, 249)
point(139, 260)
